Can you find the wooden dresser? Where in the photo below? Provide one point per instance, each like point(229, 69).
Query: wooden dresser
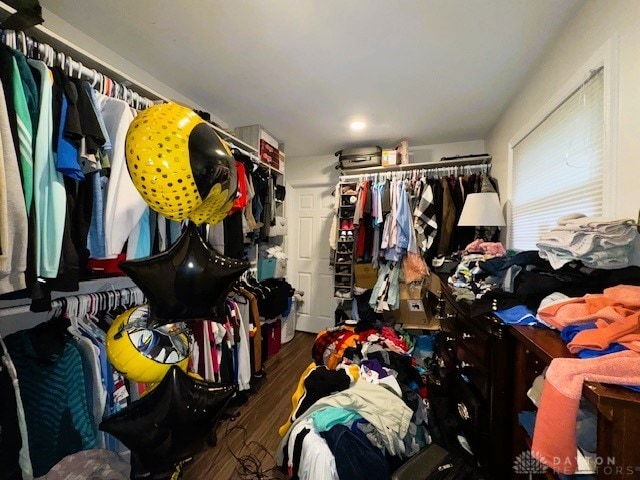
point(618, 408)
point(499, 363)
point(480, 350)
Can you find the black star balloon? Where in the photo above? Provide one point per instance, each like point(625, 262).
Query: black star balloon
point(188, 281)
point(172, 422)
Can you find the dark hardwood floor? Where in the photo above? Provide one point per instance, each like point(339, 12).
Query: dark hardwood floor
point(261, 417)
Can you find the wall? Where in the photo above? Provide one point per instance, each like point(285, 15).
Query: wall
point(73, 35)
point(595, 23)
point(321, 169)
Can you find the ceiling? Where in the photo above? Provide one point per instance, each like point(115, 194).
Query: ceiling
point(431, 71)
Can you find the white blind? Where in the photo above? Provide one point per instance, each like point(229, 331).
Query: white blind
point(558, 166)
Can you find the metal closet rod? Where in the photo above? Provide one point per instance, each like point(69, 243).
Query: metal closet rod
point(58, 303)
point(90, 62)
point(464, 162)
point(43, 35)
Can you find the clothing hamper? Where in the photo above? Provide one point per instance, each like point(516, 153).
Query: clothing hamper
point(288, 327)
point(266, 268)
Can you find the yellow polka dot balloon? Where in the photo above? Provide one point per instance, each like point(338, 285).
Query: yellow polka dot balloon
point(180, 166)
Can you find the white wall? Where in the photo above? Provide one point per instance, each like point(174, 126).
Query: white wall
point(321, 169)
point(72, 34)
point(596, 23)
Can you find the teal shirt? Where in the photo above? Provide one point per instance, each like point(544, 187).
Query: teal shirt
point(329, 417)
point(49, 194)
point(25, 135)
point(59, 421)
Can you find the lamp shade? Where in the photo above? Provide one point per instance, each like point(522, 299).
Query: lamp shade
point(482, 210)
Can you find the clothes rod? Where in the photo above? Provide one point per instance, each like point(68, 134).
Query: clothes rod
point(44, 35)
point(91, 62)
point(421, 166)
point(58, 302)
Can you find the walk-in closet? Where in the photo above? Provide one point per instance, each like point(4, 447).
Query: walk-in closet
point(363, 240)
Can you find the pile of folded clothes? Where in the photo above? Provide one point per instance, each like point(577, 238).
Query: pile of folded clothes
point(595, 241)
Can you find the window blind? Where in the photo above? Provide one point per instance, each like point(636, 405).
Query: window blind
point(558, 166)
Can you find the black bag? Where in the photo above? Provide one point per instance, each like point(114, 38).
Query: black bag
point(280, 192)
point(435, 463)
point(359, 157)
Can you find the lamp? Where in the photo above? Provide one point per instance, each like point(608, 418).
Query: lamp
point(482, 210)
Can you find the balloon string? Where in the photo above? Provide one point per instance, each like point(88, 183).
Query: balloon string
point(250, 466)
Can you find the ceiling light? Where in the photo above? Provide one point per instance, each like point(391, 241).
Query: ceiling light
point(357, 126)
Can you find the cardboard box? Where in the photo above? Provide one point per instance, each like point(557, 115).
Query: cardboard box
point(413, 309)
point(366, 275)
point(411, 291)
point(389, 157)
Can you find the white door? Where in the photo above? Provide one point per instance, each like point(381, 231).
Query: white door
point(310, 213)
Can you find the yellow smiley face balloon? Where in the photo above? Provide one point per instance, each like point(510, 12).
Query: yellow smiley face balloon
point(180, 166)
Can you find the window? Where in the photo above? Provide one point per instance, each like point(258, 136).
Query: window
point(558, 166)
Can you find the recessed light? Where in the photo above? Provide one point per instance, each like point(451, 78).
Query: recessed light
point(357, 126)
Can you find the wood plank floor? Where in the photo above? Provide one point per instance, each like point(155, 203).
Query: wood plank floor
point(261, 417)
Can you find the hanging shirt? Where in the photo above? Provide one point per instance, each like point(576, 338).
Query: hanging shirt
point(241, 198)
point(124, 205)
point(67, 157)
point(25, 135)
point(13, 213)
point(57, 415)
point(425, 219)
point(49, 193)
point(139, 244)
point(96, 229)
point(11, 397)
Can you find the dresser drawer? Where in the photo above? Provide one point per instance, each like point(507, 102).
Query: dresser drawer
point(471, 368)
point(471, 338)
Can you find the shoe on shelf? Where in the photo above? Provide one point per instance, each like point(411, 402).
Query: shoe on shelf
point(343, 269)
point(344, 225)
point(344, 259)
point(343, 293)
point(348, 190)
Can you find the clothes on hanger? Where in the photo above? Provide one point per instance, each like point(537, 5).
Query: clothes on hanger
point(62, 384)
point(397, 215)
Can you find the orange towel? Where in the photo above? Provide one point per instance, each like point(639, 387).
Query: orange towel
point(614, 304)
point(554, 439)
point(625, 331)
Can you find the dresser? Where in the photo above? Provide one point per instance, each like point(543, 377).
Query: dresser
point(497, 364)
point(479, 350)
point(617, 408)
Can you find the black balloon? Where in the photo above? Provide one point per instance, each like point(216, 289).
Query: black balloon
point(210, 162)
point(172, 422)
point(188, 281)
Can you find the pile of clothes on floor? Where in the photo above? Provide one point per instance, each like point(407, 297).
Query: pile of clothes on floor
point(358, 410)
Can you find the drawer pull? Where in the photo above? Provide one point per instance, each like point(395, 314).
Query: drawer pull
point(463, 411)
point(467, 335)
point(464, 364)
point(449, 339)
point(450, 315)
